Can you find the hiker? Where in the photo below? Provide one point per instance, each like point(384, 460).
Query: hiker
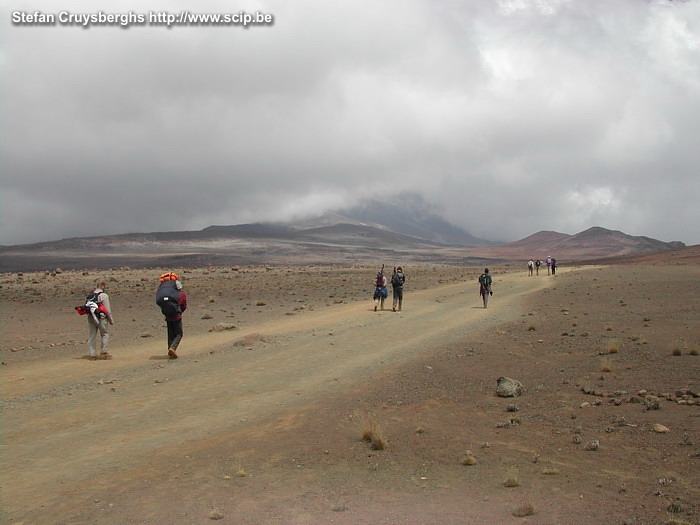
point(549, 264)
point(397, 281)
point(530, 267)
point(538, 263)
point(172, 301)
point(554, 266)
point(99, 316)
point(485, 282)
point(380, 291)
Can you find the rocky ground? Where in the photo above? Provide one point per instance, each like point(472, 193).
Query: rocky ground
point(284, 371)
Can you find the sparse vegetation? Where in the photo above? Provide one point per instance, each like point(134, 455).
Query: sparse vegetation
point(524, 510)
point(468, 458)
point(677, 352)
point(511, 479)
point(606, 365)
point(613, 345)
point(531, 328)
point(550, 471)
point(694, 351)
point(370, 430)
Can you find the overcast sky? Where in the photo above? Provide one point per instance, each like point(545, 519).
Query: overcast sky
point(511, 116)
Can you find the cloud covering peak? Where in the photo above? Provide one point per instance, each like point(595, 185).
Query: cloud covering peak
point(510, 116)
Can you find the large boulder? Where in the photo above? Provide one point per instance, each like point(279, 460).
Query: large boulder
point(507, 387)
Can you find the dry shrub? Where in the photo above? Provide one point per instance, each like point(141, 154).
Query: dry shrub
point(511, 479)
point(469, 458)
point(613, 345)
point(378, 441)
point(677, 351)
point(693, 352)
point(531, 328)
point(524, 510)
point(370, 430)
point(606, 365)
point(550, 471)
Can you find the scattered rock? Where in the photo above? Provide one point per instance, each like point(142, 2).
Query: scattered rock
point(507, 387)
point(652, 403)
point(216, 515)
point(660, 428)
point(593, 445)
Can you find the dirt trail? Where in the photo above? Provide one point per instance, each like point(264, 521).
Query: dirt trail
point(69, 421)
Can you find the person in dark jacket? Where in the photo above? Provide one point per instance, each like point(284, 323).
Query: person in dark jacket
point(485, 282)
point(397, 281)
point(174, 323)
point(172, 301)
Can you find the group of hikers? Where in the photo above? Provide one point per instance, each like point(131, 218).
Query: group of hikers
point(169, 297)
point(172, 301)
point(381, 293)
point(533, 267)
point(398, 279)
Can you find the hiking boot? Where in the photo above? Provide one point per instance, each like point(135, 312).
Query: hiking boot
point(375, 307)
point(394, 308)
point(172, 354)
point(105, 356)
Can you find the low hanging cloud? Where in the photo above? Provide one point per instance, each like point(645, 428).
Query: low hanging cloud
point(510, 116)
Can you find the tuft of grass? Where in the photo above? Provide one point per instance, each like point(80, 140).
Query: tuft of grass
point(240, 471)
point(694, 351)
point(608, 328)
point(370, 430)
point(531, 328)
point(468, 458)
point(550, 471)
point(677, 351)
point(613, 345)
point(511, 479)
point(378, 441)
point(524, 510)
point(605, 365)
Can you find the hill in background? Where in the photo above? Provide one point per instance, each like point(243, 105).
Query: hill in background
point(392, 233)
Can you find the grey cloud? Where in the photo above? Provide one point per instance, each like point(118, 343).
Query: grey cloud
point(510, 116)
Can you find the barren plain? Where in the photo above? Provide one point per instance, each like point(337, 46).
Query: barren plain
point(284, 368)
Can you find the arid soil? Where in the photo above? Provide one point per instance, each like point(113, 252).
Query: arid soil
point(283, 369)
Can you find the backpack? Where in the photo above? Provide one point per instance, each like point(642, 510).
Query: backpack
point(379, 282)
point(485, 280)
point(93, 306)
point(168, 298)
point(397, 280)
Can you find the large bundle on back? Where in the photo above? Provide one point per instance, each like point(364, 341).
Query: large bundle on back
point(168, 298)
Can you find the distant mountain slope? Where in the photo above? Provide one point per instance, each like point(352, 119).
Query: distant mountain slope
point(593, 243)
point(359, 235)
point(407, 214)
